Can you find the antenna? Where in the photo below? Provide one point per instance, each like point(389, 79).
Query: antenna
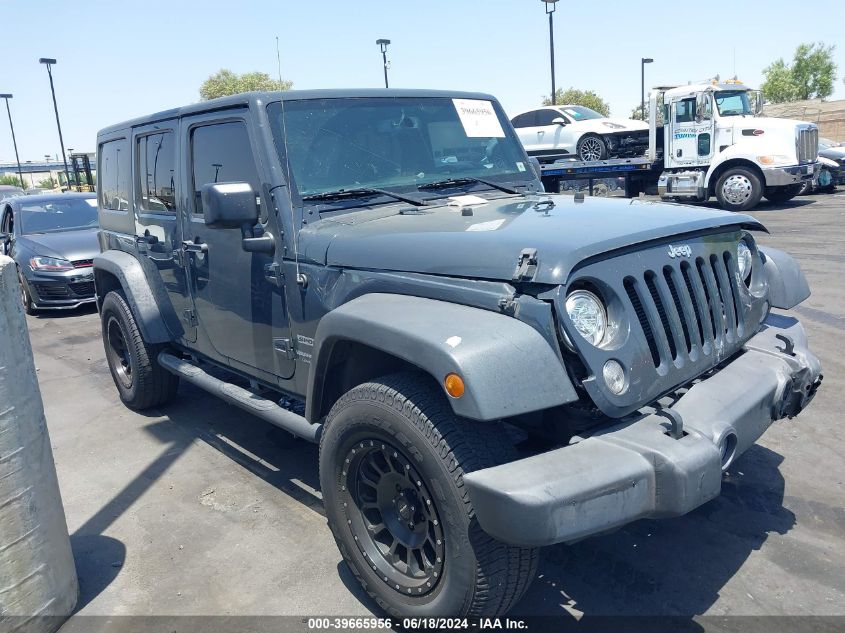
point(734, 62)
point(279, 62)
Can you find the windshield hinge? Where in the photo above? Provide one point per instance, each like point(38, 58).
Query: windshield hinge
point(526, 265)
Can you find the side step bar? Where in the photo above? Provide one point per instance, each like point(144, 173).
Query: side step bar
point(240, 397)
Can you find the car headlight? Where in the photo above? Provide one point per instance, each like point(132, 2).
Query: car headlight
point(744, 259)
point(588, 315)
point(51, 264)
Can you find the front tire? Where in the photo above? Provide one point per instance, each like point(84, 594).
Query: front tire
point(141, 382)
point(591, 147)
point(26, 298)
point(392, 460)
point(738, 189)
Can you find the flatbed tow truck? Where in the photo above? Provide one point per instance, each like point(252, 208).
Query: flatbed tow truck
point(711, 142)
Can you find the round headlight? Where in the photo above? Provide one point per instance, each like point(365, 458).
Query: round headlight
point(588, 315)
point(743, 259)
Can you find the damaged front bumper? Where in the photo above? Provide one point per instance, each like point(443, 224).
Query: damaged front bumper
point(662, 464)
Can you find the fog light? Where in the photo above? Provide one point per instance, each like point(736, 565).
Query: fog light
point(614, 377)
point(454, 385)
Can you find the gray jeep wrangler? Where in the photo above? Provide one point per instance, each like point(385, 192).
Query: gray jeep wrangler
point(487, 368)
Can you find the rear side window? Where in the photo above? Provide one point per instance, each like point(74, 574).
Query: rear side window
point(113, 175)
point(221, 153)
point(524, 120)
point(156, 175)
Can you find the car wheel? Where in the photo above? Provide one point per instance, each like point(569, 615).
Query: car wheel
point(392, 460)
point(591, 147)
point(141, 382)
point(26, 298)
point(738, 189)
point(783, 194)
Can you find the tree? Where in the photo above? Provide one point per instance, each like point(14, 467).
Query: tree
point(586, 98)
point(9, 179)
point(224, 82)
point(810, 76)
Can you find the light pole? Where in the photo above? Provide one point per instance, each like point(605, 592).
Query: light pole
point(550, 9)
point(383, 45)
point(49, 62)
point(643, 62)
point(14, 141)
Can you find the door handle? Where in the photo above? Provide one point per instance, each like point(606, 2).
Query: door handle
point(193, 247)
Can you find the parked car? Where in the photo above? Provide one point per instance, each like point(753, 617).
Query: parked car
point(554, 132)
point(834, 152)
point(53, 240)
point(488, 368)
point(8, 191)
point(826, 177)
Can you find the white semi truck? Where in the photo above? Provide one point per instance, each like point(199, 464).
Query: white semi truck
point(709, 141)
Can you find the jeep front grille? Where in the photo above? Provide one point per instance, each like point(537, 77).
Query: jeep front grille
point(807, 143)
point(678, 313)
point(689, 307)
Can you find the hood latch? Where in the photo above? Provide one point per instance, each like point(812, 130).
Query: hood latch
point(526, 265)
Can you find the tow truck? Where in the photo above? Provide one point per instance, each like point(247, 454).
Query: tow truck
point(711, 140)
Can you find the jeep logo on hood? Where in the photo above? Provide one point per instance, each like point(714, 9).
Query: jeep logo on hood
point(680, 251)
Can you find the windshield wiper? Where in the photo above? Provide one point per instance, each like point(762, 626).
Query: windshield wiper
point(465, 180)
point(363, 192)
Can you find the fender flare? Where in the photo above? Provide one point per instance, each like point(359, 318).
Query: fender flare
point(133, 281)
point(507, 366)
point(787, 284)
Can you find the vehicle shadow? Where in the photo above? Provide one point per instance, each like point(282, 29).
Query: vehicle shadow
point(668, 567)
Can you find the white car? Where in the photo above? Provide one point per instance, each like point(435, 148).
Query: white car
point(553, 132)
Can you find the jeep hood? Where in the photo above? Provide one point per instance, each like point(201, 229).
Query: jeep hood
point(487, 244)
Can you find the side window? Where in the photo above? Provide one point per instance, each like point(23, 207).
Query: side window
point(221, 153)
point(685, 111)
point(524, 120)
point(113, 177)
point(155, 172)
point(545, 117)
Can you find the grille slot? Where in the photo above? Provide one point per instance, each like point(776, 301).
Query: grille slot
point(83, 263)
point(807, 143)
point(83, 289)
point(688, 307)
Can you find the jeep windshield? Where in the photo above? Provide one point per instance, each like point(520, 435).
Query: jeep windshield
point(733, 103)
point(423, 147)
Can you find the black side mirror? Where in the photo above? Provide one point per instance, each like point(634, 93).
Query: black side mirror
point(229, 205)
point(560, 121)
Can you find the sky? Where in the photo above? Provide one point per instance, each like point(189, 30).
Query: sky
point(118, 59)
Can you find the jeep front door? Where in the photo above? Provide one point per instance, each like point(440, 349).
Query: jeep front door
point(239, 308)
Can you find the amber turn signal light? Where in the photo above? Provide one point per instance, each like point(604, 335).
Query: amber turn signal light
point(454, 385)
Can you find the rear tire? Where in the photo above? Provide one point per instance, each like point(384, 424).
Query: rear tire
point(400, 432)
point(738, 189)
point(591, 147)
point(141, 382)
point(783, 194)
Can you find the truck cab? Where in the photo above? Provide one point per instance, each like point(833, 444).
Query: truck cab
point(716, 143)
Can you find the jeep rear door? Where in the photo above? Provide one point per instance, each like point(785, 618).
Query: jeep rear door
point(241, 315)
point(158, 230)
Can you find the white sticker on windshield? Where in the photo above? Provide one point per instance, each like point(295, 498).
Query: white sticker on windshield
point(492, 225)
point(91, 201)
point(478, 118)
point(520, 166)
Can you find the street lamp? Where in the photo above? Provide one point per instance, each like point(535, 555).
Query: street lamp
point(383, 45)
point(49, 62)
point(550, 9)
point(643, 62)
point(14, 141)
